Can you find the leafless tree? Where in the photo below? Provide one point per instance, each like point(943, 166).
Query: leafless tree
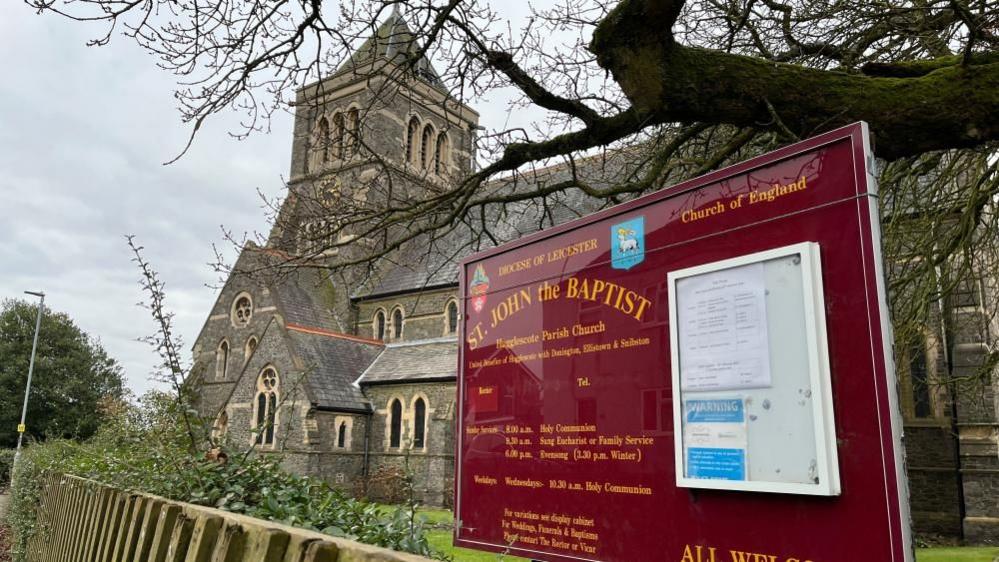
point(663, 89)
point(923, 73)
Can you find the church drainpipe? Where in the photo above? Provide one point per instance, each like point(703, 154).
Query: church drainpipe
point(367, 440)
point(946, 310)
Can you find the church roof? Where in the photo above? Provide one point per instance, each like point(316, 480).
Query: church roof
point(417, 361)
point(332, 363)
point(427, 264)
point(300, 297)
point(394, 42)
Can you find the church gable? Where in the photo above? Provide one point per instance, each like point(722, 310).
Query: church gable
point(269, 401)
point(230, 334)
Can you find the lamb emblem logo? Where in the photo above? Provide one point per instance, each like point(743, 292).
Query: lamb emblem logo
point(478, 288)
point(628, 243)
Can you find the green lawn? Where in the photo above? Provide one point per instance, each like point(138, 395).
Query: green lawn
point(442, 521)
point(441, 540)
point(966, 554)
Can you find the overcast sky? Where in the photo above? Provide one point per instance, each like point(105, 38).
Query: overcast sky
point(83, 135)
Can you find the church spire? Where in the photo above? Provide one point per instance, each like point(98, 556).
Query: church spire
point(394, 42)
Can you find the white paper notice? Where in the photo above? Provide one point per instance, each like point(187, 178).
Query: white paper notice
point(722, 323)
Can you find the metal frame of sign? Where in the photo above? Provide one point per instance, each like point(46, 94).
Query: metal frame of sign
point(818, 366)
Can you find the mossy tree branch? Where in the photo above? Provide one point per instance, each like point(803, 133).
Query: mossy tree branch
point(946, 104)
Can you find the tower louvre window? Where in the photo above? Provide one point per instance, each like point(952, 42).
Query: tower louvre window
point(338, 133)
point(354, 128)
point(341, 438)
point(426, 147)
point(441, 154)
point(321, 142)
point(412, 137)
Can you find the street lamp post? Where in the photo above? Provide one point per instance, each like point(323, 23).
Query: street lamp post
point(31, 367)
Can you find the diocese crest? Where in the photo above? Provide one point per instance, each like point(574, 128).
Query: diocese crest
point(478, 288)
point(628, 243)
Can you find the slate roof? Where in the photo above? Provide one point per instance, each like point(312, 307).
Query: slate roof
point(300, 296)
point(333, 363)
point(393, 41)
point(432, 263)
point(435, 359)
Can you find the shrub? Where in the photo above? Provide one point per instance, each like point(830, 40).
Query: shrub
point(388, 485)
point(138, 451)
point(6, 465)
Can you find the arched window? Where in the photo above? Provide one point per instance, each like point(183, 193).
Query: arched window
point(378, 325)
point(441, 155)
point(395, 423)
point(242, 310)
point(354, 128)
point(266, 406)
point(341, 435)
point(919, 377)
point(337, 139)
point(426, 147)
point(451, 318)
point(342, 426)
point(321, 142)
point(251, 346)
point(412, 136)
point(330, 235)
point(419, 423)
point(222, 360)
point(397, 324)
point(221, 425)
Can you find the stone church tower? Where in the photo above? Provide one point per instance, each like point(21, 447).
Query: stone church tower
point(347, 385)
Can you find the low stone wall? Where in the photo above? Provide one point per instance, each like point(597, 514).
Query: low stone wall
point(81, 519)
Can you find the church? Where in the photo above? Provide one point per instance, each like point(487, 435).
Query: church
point(351, 376)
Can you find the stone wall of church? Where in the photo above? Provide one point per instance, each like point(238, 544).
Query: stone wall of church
point(424, 314)
point(290, 435)
point(432, 468)
point(978, 428)
point(977, 409)
point(933, 481)
point(215, 386)
point(342, 467)
point(385, 112)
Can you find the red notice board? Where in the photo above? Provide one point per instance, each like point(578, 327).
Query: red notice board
point(754, 419)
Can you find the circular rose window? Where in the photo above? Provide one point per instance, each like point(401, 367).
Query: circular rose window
point(242, 311)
